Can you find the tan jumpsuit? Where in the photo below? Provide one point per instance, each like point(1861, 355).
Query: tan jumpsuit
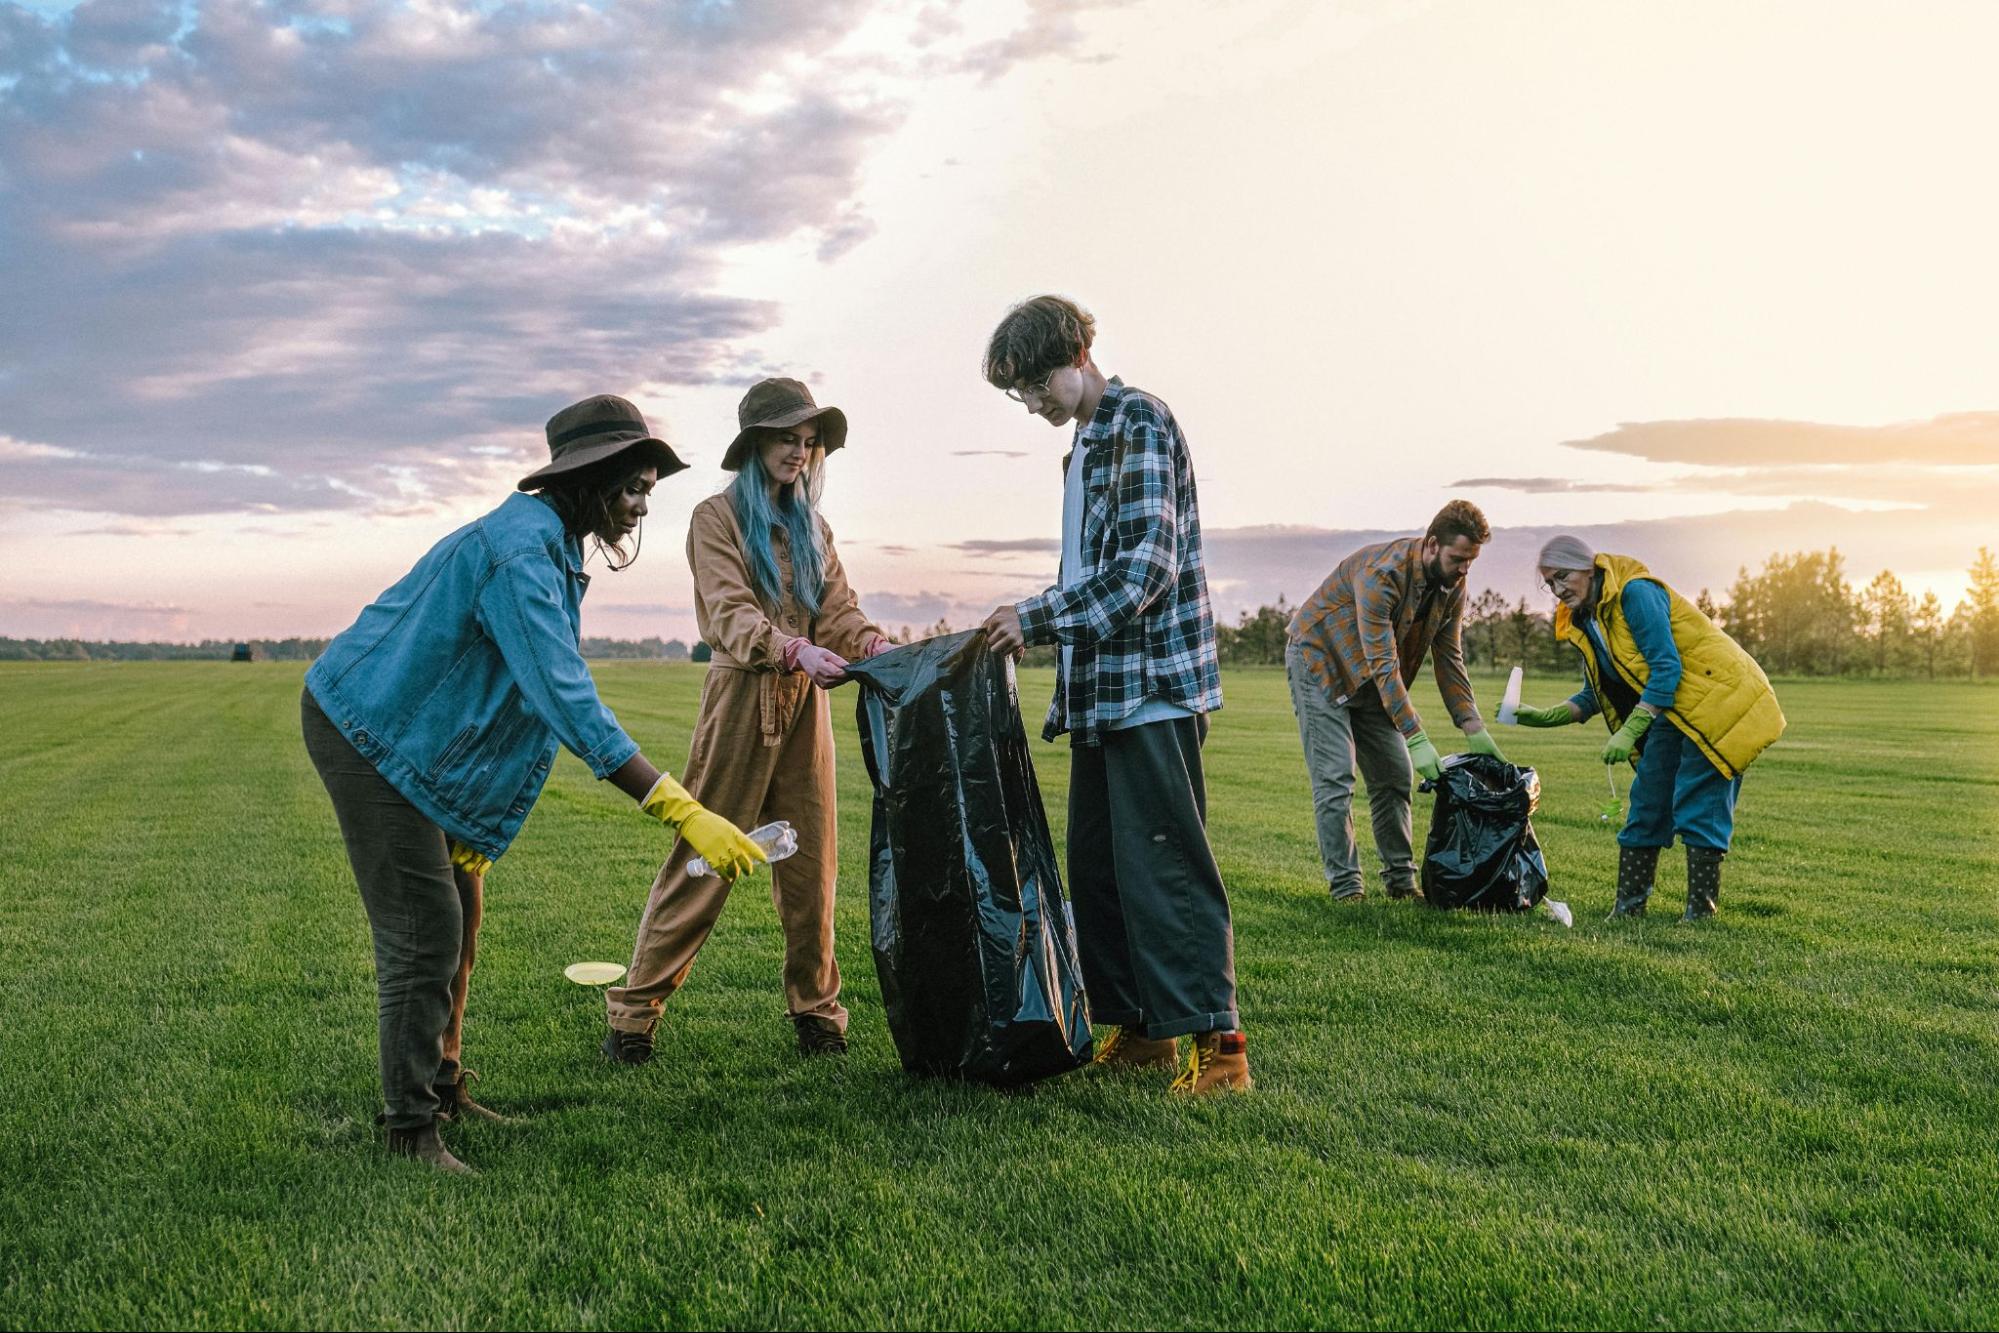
point(763, 750)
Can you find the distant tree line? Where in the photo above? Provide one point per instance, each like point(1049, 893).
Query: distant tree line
point(1799, 616)
point(279, 650)
point(81, 650)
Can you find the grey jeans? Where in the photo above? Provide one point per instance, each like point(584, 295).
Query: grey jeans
point(424, 917)
point(1338, 738)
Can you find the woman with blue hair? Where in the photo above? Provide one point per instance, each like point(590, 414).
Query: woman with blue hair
point(772, 601)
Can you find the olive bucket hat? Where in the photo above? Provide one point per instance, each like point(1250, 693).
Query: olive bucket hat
point(775, 405)
point(593, 430)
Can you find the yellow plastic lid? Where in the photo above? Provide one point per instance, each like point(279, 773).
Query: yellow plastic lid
point(594, 974)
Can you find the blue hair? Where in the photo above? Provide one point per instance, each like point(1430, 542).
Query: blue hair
point(757, 515)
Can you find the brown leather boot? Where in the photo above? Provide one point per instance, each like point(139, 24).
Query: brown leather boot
point(819, 1036)
point(1125, 1049)
point(1220, 1063)
point(423, 1144)
point(627, 1048)
point(455, 1102)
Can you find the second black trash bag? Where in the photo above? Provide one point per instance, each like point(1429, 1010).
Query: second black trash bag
point(1482, 852)
point(972, 936)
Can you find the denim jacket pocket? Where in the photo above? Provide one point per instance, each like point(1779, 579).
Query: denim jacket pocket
point(481, 760)
point(449, 755)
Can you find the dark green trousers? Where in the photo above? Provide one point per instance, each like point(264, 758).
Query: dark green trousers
point(1152, 918)
point(416, 912)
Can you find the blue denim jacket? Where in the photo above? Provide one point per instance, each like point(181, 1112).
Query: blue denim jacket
point(458, 681)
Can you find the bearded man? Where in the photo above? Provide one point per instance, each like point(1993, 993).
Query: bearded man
point(1354, 647)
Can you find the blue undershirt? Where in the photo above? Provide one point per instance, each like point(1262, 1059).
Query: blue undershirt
point(1648, 614)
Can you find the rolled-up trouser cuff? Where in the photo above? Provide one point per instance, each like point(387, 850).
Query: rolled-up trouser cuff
point(1227, 1022)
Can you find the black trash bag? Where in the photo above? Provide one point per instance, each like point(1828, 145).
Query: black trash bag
point(972, 937)
point(1482, 851)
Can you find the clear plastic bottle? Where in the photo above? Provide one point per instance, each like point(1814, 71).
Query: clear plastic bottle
point(778, 839)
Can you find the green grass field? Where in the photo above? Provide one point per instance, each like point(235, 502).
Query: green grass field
point(1782, 1118)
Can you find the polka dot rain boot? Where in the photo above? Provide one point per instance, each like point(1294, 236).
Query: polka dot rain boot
point(1703, 882)
point(1636, 868)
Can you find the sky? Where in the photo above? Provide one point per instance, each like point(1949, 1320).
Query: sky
point(290, 287)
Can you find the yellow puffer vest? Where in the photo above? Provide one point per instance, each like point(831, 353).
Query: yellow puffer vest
point(1724, 704)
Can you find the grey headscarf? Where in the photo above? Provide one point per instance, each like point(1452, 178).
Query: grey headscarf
point(1566, 552)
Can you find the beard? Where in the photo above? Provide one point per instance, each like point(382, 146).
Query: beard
point(1433, 570)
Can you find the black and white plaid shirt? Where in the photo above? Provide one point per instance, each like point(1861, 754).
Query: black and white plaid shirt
point(1137, 619)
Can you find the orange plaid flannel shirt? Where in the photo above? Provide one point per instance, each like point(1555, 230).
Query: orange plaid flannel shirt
point(1371, 622)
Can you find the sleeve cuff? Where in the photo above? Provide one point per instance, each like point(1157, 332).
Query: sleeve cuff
point(1037, 618)
point(612, 755)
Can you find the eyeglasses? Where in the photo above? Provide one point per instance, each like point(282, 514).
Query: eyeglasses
point(1038, 390)
point(1559, 581)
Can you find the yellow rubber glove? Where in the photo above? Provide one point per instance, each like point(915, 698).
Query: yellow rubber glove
point(468, 860)
point(721, 844)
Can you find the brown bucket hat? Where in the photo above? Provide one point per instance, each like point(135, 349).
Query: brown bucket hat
point(775, 404)
point(594, 430)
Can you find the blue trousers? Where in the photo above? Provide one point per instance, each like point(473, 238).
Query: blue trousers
point(1678, 790)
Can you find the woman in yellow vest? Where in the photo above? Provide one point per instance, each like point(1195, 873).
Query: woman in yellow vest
point(1648, 652)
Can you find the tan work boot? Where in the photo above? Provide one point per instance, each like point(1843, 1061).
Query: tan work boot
point(1219, 1063)
point(1125, 1049)
point(423, 1144)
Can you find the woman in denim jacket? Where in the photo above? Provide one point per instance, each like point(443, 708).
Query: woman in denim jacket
point(434, 719)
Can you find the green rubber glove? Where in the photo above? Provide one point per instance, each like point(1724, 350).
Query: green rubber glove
point(1624, 740)
point(1424, 756)
point(721, 844)
point(1561, 715)
point(1481, 742)
point(468, 860)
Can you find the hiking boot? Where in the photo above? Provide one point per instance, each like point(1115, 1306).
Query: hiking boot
point(423, 1144)
point(819, 1036)
point(1350, 896)
point(627, 1048)
point(1703, 882)
point(1219, 1063)
point(455, 1102)
point(1402, 891)
point(1637, 867)
point(1125, 1049)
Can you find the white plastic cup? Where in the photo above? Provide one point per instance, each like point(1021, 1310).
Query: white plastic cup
point(778, 840)
point(1509, 707)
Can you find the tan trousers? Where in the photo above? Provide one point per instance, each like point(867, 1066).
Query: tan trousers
point(732, 772)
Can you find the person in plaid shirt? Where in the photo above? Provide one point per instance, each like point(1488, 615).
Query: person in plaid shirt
point(1353, 648)
point(1138, 676)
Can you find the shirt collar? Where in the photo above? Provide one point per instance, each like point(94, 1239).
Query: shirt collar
point(1419, 577)
point(1098, 429)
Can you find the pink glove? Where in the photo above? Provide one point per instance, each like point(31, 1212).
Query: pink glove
point(826, 668)
point(877, 646)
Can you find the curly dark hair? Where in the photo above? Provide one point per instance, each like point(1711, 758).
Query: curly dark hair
point(583, 500)
point(1459, 518)
point(1036, 337)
